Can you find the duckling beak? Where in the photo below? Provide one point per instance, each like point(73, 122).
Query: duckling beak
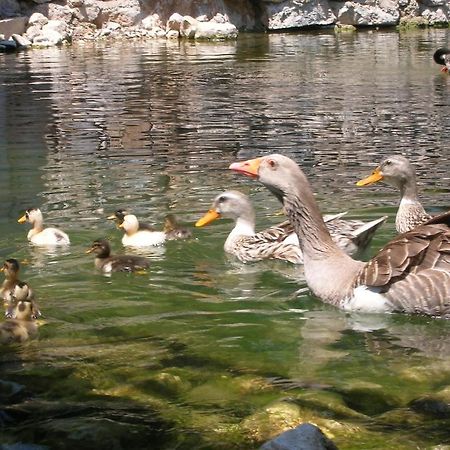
point(111, 217)
point(22, 219)
point(249, 167)
point(377, 175)
point(90, 250)
point(120, 225)
point(209, 217)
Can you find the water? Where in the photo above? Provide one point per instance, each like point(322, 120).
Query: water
point(196, 352)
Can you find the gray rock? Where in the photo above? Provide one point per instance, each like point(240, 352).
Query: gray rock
point(304, 437)
point(48, 38)
point(299, 14)
point(353, 13)
point(215, 31)
point(174, 22)
point(21, 41)
point(9, 8)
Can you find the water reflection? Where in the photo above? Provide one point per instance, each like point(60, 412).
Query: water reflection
point(152, 127)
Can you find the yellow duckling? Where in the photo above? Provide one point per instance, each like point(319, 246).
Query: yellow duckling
point(38, 234)
point(106, 262)
point(21, 324)
point(11, 270)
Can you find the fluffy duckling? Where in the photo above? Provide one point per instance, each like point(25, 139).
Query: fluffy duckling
point(174, 230)
point(119, 216)
point(11, 270)
point(20, 326)
point(106, 262)
point(442, 57)
point(280, 241)
point(135, 235)
point(38, 234)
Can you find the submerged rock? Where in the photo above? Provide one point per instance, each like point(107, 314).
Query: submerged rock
point(435, 405)
point(305, 437)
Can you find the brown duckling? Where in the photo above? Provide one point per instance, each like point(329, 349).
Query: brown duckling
point(11, 269)
point(106, 262)
point(174, 230)
point(20, 325)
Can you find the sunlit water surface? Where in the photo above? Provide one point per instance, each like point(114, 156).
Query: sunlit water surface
point(191, 354)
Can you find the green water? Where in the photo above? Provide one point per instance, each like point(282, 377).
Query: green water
point(204, 352)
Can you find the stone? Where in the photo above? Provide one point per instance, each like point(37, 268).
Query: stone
point(174, 22)
point(9, 8)
point(172, 34)
point(8, 46)
point(37, 19)
point(353, 13)
point(54, 11)
point(304, 437)
point(48, 38)
point(16, 25)
point(21, 41)
point(32, 32)
point(435, 405)
point(215, 31)
point(151, 21)
point(300, 14)
point(188, 27)
point(56, 25)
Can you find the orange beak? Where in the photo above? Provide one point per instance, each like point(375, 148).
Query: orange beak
point(377, 175)
point(249, 168)
point(22, 219)
point(209, 217)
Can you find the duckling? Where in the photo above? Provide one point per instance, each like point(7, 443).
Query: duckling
point(442, 57)
point(108, 263)
point(38, 234)
point(20, 326)
point(11, 270)
point(119, 215)
point(173, 230)
point(135, 237)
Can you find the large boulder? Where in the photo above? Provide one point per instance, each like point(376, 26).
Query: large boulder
point(299, 14)
point(356, 14)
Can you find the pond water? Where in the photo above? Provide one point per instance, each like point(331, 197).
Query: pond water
point(204, 352)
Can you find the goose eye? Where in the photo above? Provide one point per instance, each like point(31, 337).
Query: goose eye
point(271, 163)
point(388, 162)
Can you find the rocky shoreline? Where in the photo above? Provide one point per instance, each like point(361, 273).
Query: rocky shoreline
point(43, 23)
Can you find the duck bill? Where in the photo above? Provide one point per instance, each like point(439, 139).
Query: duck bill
point(90, 250)
point(22, 219)
point(209, 217)
point(249, 168)
point(376, 175)
point(112, 217)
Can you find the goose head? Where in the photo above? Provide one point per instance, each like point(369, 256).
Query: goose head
point(395, 170)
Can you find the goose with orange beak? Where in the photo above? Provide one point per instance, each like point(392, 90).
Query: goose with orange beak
point(411, 274)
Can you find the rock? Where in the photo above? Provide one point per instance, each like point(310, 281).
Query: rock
point(151, 21)
point(174, 22)
point(54, 11)
point(215, 31)
point(304, 437)
point(353, 13)
point(17, 25)
point(42, 1)
point(188, 27)
point(56, 25)
point(32, 32)
point(436, 405)
point(299, 14)
point(172, 34)
point(338, 28)
point(37, 19)
point(48, 38)
point(21, 41)
point(436, 17)
point(8, 46)
point(9, 8)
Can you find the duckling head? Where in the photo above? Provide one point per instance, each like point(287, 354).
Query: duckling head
point(101, 248)
point(10, 268)
point(31, 215)
point(118, 216)
point(173, 229)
